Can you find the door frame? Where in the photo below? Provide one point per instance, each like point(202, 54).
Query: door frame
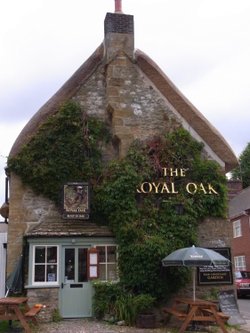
point(76, 293)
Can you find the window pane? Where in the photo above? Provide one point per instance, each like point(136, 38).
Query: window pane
point(237, 228)
point(111, 253)
point(70, 264)
point(82, 265)
point(39, 273)
point(240, 263)
point(112, 272)
point(52, 254)
point(51, 273)
point(101, 251)
point(102, 272)
point(40, 254)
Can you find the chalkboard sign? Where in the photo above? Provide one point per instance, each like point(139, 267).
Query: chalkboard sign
point(216, 274)
point(229, 306)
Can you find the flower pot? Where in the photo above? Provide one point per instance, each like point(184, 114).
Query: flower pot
point(146, 320)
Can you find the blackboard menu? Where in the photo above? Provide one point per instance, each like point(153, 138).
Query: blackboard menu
point(216, 274)
point(229, 306)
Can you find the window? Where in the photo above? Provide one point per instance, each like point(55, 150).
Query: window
point(45, 264)
point(240, 263)
point(107, 262)
point(237, 229)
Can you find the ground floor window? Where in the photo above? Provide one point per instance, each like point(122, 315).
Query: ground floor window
point(48, 262)
point(240, 263)
point(108, 270)
point(45, 264)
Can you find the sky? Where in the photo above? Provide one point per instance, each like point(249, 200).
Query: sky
point(203, 46)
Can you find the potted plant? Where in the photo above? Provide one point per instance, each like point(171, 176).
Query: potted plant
point(146, 318)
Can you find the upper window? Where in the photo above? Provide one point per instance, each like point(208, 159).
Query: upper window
point(237, 229)
point(45, 264)
point(107, 262)
point(240, 263)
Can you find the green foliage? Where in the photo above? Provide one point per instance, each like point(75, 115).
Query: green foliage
point(128, 306)
point(147, 226)
point(212, 294)
point(113, 300)
point(4, 326)
point(66, 148)
point(56, 317)
point(106, 294)
point(242, 172)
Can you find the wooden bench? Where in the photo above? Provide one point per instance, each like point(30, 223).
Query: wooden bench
point(32, 313)
point(222, 315)
point(2, 311)
point(177, 313)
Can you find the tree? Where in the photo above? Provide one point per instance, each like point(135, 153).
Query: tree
point(242, 172)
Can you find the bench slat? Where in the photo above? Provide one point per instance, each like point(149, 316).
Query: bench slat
point(177, 313)
point(222, 315)
point(33, 311)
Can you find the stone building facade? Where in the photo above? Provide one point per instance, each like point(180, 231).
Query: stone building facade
point(124, 87)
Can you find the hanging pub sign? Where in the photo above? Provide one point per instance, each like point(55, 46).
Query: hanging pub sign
point(208, 275)
point(76, 201)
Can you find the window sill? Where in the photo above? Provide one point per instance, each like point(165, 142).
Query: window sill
point(41, 286)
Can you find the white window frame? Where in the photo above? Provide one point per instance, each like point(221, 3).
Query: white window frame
point(237, 232)
point(44, 283)
point(240, 263)
point(106, 263)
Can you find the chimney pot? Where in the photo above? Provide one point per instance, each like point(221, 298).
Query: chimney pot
point(118, 6)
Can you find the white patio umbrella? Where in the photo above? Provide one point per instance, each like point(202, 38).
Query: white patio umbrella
point(195, 257)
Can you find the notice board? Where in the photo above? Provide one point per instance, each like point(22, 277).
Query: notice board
point(228, 305)
point(209, 275)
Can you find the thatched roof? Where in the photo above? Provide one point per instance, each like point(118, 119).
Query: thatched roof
point(192, 116)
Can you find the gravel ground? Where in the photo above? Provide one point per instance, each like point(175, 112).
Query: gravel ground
point(92, 326)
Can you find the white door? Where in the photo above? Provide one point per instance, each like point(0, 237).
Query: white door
point(76, 290)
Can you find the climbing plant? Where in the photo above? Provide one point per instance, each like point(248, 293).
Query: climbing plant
point(67, 147)
point(146, 224)
point(144, 219)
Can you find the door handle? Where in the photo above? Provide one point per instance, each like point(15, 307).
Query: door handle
point(62, 285)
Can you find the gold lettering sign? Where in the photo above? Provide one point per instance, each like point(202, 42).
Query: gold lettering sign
point(169, 187)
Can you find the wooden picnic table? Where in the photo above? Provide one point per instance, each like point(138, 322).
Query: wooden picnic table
point(16, 308)
point(189, 310)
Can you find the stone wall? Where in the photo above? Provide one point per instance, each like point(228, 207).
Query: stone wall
point(215, 232)
point(48, 297)
point(26, 210)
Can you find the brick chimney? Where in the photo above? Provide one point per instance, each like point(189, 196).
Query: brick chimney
point(234, 187)
point(118, 33)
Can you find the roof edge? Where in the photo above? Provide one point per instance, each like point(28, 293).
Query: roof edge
point(187, 110)
point(67, 91)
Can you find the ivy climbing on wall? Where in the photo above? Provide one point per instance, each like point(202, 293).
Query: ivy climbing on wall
point(146, 224)
point(67, 147)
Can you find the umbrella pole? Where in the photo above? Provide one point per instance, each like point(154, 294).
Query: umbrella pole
point(194, 283)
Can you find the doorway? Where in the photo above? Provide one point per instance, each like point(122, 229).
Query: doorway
point(76, 290)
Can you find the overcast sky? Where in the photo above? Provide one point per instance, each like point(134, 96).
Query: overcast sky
point(202, 45)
